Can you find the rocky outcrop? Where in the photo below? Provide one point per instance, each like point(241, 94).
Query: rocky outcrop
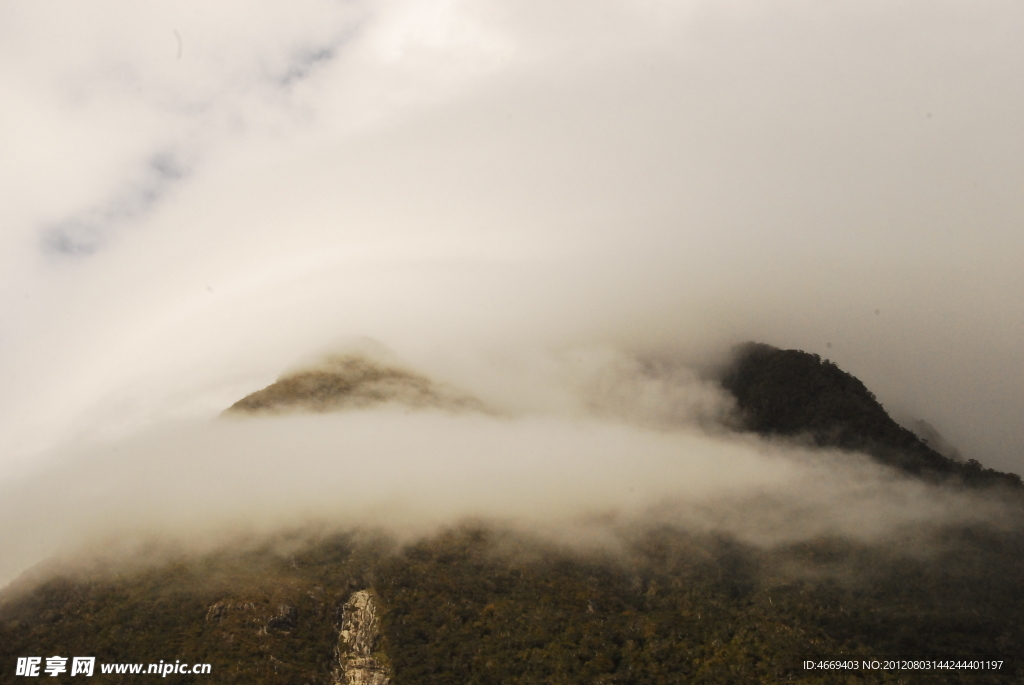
point(219, 611)
point(359, 661)
point(286, 619)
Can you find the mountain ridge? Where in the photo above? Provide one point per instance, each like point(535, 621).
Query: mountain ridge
point(792, 393)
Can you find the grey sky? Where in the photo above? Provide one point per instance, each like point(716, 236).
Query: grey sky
point(466, 180)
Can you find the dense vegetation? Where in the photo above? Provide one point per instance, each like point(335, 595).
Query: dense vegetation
point(478, 605)
point(793, 393)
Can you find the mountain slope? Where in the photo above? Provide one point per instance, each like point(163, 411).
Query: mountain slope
point(479, 605)
point(484, 604)
point(793, 393)
point(353, 381)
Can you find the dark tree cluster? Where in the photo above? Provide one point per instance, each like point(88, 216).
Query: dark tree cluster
point(794, 393)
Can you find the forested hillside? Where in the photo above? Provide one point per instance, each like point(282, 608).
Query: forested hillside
point(794, 393)
point(483, 603)
point(478, 605)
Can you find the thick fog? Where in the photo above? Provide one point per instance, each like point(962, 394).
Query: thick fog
point(197, 197)
point(577, 469)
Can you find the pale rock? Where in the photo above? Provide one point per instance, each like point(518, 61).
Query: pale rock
point(360, 632)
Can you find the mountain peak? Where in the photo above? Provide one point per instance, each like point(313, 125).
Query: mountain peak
point(796, 393)
point(352, 381)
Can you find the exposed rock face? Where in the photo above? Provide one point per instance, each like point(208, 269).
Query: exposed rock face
point(357, 642)
point(285, 619)
point(353, 382)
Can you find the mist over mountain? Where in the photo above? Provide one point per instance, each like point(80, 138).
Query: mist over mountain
point(559, 218)
point(668, 593)
point(352, 382)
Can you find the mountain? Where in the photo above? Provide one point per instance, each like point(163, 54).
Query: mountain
point(480, 603)
point(352, 381)
point(794, 393)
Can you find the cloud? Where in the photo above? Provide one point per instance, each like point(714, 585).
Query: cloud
point(586, 445)
point(201, 484)
point(82, 235)
point(489, 186)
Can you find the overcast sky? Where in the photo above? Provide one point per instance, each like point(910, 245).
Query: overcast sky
point(196, 196)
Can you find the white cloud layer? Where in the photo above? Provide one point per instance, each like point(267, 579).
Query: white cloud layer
point(197, 196)
point(574, 479)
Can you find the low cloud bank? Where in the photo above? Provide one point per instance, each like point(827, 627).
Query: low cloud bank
point(599, 445)
point(506, 195)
